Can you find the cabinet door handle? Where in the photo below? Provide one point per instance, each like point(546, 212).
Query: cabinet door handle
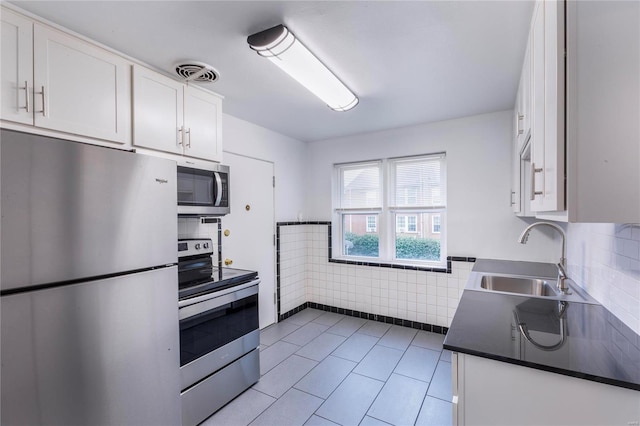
point(534, 170)
point(179, 135)
point(513, 193)
point(520, 118)
point(188, 132)
point(44, 102)
point(26, 94)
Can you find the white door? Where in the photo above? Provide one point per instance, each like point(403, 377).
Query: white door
point(251, 226)
point(17, 68)
point(80, 88)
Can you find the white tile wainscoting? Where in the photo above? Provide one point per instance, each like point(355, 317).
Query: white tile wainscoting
point(305, 274)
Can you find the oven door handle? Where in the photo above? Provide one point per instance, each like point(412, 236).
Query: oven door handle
point(211, 301)
point(214, 294)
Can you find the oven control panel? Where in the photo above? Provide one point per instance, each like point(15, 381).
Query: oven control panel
point(194, 246)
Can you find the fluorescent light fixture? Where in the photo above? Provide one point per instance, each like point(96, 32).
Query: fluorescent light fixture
point(281, 47)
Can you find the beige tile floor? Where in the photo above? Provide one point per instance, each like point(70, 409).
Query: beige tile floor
point(322, 368)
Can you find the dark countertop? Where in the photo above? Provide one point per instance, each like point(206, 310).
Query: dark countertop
point(598, 346)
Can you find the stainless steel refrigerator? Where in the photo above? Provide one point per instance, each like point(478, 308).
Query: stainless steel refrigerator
point(88, 285)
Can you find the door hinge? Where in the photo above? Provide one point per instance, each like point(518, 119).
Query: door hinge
point(274, 181)
point(274, 298)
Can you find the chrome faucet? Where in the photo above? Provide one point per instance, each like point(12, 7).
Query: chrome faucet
point(562, 274)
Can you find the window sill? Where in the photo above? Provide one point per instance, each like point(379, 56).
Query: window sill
point(406, 266)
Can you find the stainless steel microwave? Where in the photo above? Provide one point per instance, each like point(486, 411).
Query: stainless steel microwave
point(203, 192)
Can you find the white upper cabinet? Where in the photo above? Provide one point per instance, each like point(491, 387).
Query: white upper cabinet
point(202, 122)
point(172, 117)
point(523, 102)
point(522, 134)
point(157, 111)
point(56, 81)
point(17, 68)
point(80, 88)
point(584, 163)
point(547, 131)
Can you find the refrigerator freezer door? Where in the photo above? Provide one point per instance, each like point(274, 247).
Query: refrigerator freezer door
point(101, 352)
point(73, 211)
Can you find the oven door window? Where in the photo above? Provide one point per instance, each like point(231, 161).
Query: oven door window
point(195, 187)
point(214, 328)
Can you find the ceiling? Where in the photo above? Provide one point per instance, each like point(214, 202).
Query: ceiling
point(409, 62)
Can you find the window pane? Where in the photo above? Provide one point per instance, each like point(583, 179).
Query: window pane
point(419, 182)
point(357, 239)
point(372, 224)
point(435, 223)
point(412, 224)
point(418, 241)
point(360, 186)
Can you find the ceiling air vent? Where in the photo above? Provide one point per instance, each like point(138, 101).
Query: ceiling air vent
point(197, 71)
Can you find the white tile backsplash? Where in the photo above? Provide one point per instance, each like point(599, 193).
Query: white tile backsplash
point(190, 227)
point(427, 297)
point(605, 260)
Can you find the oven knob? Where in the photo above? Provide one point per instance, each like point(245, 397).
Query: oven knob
point(197, 246)
point(205, 245)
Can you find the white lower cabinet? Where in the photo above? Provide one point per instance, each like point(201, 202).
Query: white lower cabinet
point(489, 392)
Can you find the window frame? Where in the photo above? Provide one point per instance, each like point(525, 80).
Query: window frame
point(386, 213)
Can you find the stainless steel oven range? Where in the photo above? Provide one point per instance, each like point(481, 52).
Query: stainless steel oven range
point(219, 333)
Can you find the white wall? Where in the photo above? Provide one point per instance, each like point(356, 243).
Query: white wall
point(603, 258)
point(287, 154)
point(480, 221)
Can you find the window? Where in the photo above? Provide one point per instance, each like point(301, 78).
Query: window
point(391, 210)
point(412, 224)
point(435, 224)
point(405, 224)
point(372, 222)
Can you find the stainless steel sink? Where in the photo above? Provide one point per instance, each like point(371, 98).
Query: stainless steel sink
point(520, 285)
point(542, 287)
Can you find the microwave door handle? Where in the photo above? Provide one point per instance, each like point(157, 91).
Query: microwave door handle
point(219, 189)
